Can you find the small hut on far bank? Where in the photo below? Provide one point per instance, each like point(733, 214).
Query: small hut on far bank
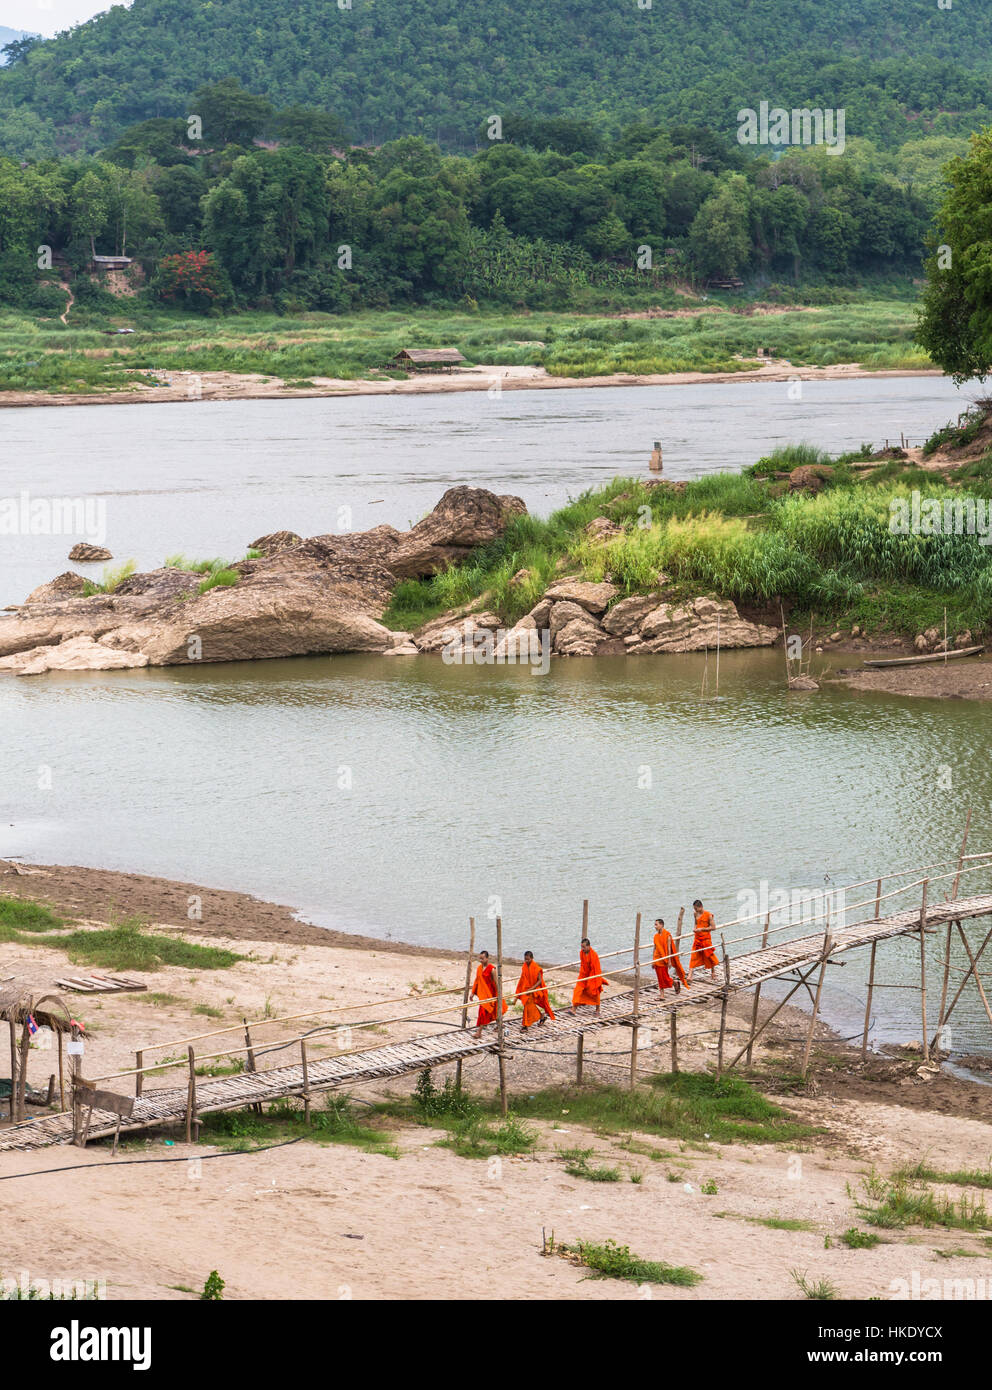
point(29, 1016)
point(429, 359)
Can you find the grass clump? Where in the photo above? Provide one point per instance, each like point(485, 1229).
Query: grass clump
point(112, 579)
point(17, 914)
point(335, 1124)
point(577, 1165)
point(901, 1204)
point(218, 579)
point(859, 1240)
point(124, 946)
point(821, 1291)
point(611, 1260)
point(960, 1177)
point(477, 1138)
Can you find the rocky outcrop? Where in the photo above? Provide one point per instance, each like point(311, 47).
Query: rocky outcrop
point(318, 595)
point(272, 544)
point(85, 554)
point(63, 586)
point(593, 597)
point(695, 625)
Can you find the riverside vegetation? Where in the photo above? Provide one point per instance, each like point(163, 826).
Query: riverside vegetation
point(827, 549)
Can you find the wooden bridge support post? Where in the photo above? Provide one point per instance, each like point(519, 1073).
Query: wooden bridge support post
point(723, 1010)
point(22, 1076)
point(757, 996)
point(306, 1080)
point(925, 1040)
point(827, 946)
point(191, 1119)
point(674, 1035)
point(61, 1073)
point(12, 1026)
point(75, 1072)
point(637, 997)
point(579, 1048)
point(139, 1076)
point(465, 994)
point(871, 991)
point(250, 1064)
point(950, 930)
point(499, 1016)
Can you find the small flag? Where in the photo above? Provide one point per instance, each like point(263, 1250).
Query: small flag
point(32, 1026)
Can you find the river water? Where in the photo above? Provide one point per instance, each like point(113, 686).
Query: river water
point(397, 797)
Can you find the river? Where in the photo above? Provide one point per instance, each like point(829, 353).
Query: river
point(398, 797)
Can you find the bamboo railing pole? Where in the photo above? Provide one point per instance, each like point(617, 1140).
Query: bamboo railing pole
point(306, 1081)
point(827, 944)
point(723, 1010)
point(499, 1016)
point(139, 1075)
point(61, 1075)
point(22, 1079)
point(674, 1038)
point(923, 971)
point(190, 1095)
point(585, 918)
point(757, 996)
point(579, 1049)
point(971, 969)
point(637, 997)
point(12, 1029)
point(974, 971)
point(250, 1064)
point(468, 987)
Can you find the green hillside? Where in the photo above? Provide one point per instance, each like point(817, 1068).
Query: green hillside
point(399, 67)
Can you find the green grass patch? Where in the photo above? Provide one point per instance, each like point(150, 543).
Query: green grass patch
point(900, 1204)
point(124, 946)
point(781, 1223)
point(337, 1123)
point(219, 579)
point(960, 1177)
point(611, 1260)
point(18, 914)
point(859, 1240)
point(822, 1290)
point(478, 1138)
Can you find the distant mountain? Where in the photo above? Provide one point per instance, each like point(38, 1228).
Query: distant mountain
point(441, 68)
point(8, 36)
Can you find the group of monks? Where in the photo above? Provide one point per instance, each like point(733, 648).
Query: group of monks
point(532, 992)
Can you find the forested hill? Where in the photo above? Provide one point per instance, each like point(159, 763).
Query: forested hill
point(439, 68)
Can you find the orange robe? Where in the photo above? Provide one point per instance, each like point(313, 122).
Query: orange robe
point(532, 978)
point(484, 990)
point(588, 990)
point(666, 958)
point(702, 944)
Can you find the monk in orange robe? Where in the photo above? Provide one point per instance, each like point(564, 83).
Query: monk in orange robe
point(702, 943)
point(532, 993)
point(484, 989)
point(589, 985)
point(666, 959)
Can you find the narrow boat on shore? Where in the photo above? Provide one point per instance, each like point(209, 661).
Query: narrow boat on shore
point(923, 660)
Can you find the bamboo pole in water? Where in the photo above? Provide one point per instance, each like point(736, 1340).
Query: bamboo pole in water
point(950, 928)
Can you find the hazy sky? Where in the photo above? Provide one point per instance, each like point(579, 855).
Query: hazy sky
point(48, 16)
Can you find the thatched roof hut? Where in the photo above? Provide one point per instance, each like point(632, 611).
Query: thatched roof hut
point(425, 358)
point(19, 1009)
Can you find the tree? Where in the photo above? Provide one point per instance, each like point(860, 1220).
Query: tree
point(720, 239)
point(192, 279)
point(90, 210)
point(956, 321)
point(230, 115)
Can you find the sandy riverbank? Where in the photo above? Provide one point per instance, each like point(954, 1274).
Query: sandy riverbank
point(228, 386)
point(967, 679)
point(332, 1221)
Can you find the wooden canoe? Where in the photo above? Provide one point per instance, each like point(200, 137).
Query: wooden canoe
point(923, 660)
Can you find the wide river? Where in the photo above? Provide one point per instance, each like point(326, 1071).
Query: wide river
point(398, 797)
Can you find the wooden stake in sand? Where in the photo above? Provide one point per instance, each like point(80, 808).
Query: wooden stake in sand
point(637, 997)
point(499, 1016)
point(139, 1074)
point(673, 1029)
point(191, 1097)
point(250, 1061)
point(12, 1026)
point(306, 1080)
point(827, 946)
point(465, 994)
point(757, 995)
point(579, 1048)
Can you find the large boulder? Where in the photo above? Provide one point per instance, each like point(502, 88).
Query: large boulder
point(74, 654)
point(275, 541)
point(580, 637)
point(464, 519)
point(593, 597)
point(626, 616)
point(562, 614)
point(692, 626)
point(454, 631)
point(85, 554)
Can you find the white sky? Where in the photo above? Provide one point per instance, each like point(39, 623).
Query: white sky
point(48, 16)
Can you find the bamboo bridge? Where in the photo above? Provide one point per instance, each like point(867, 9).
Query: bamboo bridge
point(97, 1113)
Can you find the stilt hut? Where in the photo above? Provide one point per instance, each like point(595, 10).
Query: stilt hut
point(429, 359)
point(26, 1017)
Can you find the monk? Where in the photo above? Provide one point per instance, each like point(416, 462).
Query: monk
point(484, 989)
point(666, 957)
point(702, 943)
point(532, 993)
point(589, 985)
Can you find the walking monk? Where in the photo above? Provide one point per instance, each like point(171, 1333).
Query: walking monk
point(702, 943)
point(532, 993)
point(666, 958)
point(589, 985)
point(484, 990)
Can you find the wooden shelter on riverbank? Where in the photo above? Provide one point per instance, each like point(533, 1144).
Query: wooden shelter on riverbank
point(429, 359)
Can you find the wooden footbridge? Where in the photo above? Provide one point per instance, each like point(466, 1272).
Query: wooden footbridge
point(799, 961)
